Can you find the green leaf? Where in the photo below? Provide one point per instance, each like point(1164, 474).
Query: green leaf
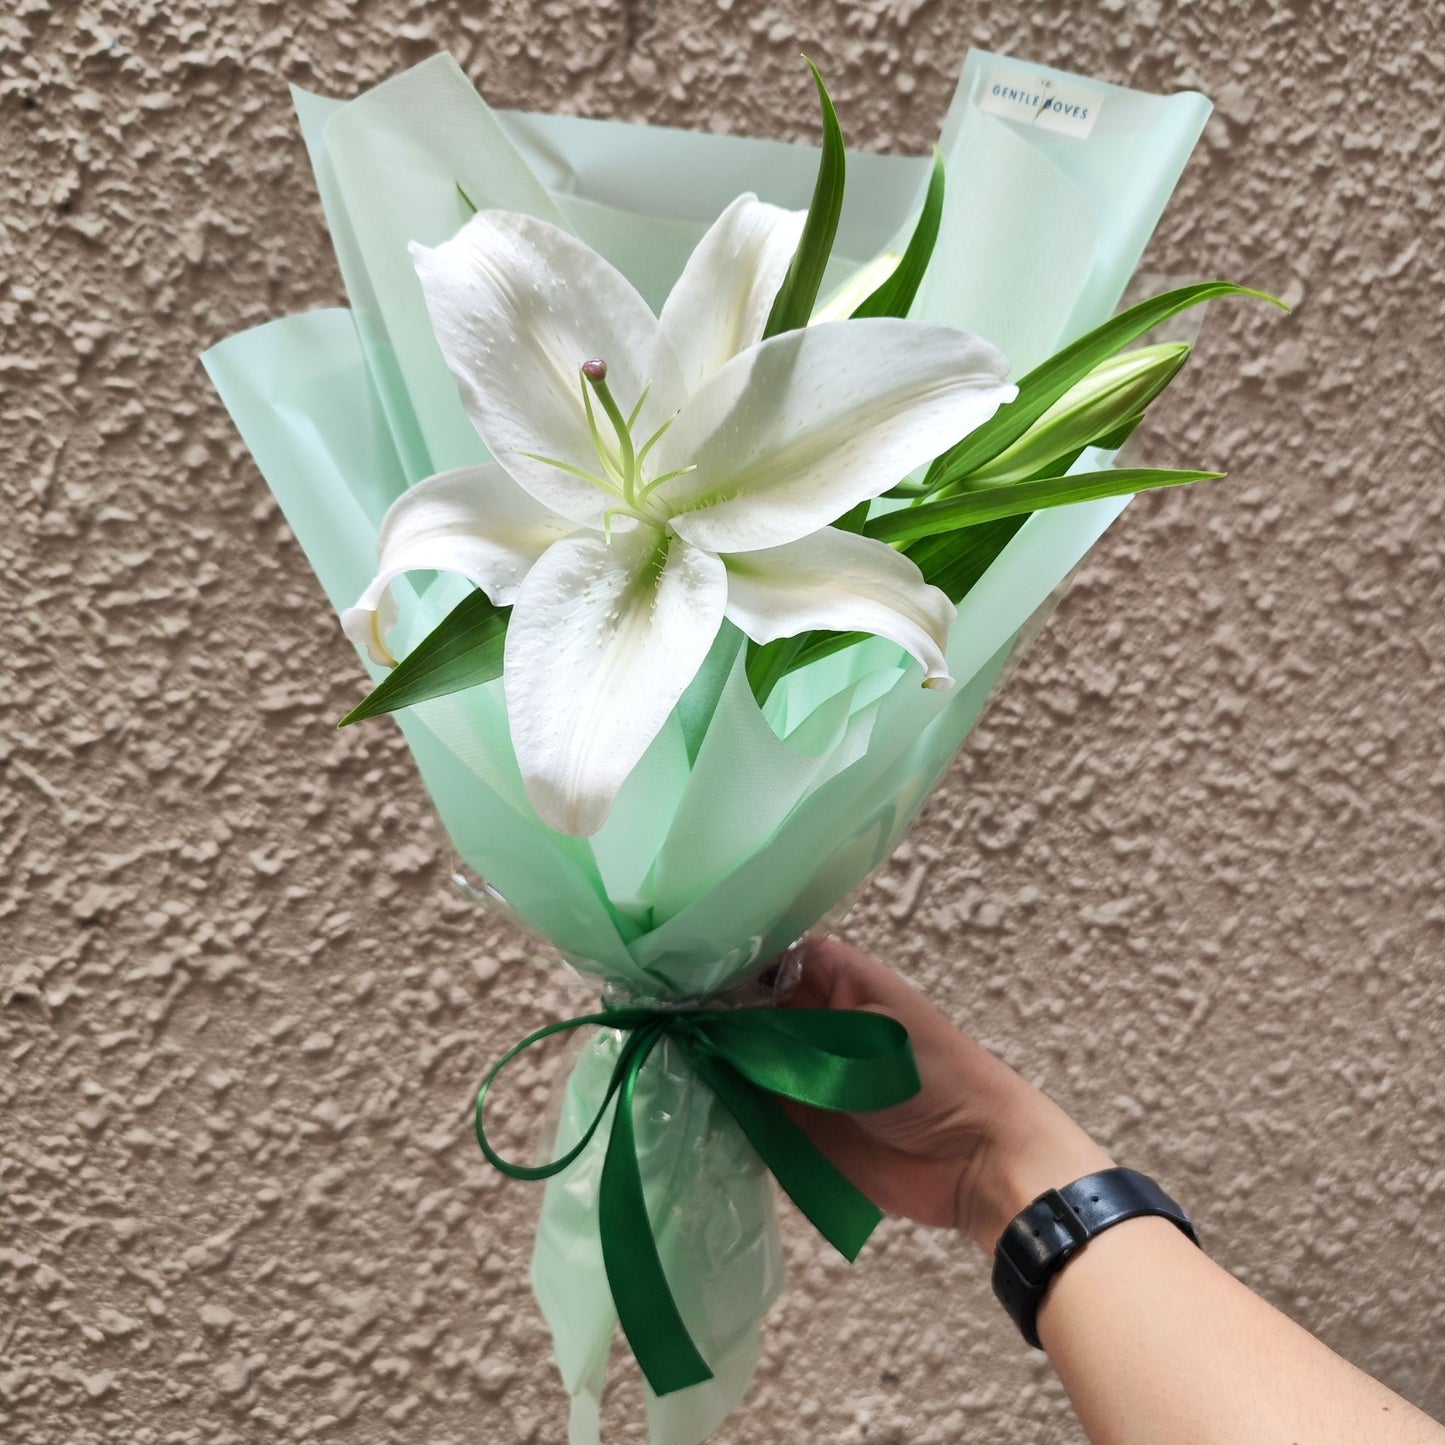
point(1019, 497)
point(907, 489)
point(895, 295)
point(1048, 381)
point(462, 650)
point(816, 645)
point(954, 561)
point(769, 663)
point(797, 296)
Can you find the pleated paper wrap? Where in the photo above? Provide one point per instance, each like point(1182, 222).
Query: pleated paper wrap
point(741, 827)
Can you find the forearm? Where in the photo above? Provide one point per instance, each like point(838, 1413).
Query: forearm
point(1153, 1340)
point(1155, 1343)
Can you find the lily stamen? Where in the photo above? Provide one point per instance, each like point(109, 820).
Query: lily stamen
point(637, 410)
point(656, 482)
point(586, 476)
point(604, 452)
point(607, 517)
point(648, 445)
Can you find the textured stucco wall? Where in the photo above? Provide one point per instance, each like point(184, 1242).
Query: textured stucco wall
point(1188, 876)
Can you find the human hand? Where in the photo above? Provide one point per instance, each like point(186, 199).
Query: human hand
point(1152, 1339)
point(973, 1146)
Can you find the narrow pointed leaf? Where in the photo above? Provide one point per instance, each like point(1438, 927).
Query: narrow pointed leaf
point(1048, 381)
point(462, 650)
point(895, 295)
point(770, 663)
point(955, 561)
point(818, 645)
point(1018, 497)
point(793, 305)
point(907, 489)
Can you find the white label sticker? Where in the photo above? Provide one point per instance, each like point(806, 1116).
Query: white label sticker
point(1068, 108)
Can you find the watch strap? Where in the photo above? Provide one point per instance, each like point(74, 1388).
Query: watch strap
point(1042, 1238)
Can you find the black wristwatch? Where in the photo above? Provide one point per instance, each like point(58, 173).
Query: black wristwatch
point(1041, 1239)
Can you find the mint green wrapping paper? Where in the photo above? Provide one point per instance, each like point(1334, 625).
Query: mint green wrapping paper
point(741, 827)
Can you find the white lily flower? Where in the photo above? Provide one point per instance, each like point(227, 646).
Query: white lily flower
point(655, 475)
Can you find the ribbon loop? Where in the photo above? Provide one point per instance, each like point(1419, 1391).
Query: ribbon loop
point(827, 1058)
point(533, 1172)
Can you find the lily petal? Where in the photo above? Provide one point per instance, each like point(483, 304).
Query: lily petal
point(517, 307)
point(837, 581)
point(475, 521)
point(603, 640)
point(721, 302)
point(369, 626)
point(791, 434)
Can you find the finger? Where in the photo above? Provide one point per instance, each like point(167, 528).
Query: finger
point(835, 975)
point(898, 1182)
point(814, 988)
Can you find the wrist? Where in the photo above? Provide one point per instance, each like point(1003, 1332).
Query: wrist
point(1033, 1146)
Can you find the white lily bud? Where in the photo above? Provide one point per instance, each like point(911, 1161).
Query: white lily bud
point(1113, 393)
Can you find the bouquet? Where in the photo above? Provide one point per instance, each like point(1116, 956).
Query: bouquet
point(683, 503)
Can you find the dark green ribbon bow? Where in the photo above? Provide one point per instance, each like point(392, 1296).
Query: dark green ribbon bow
point(828, 1058)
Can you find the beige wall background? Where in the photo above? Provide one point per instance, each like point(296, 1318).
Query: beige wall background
point(1188, 876)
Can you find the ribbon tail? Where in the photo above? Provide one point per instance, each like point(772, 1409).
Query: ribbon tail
point(646, 1308)
point(837, 1209)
